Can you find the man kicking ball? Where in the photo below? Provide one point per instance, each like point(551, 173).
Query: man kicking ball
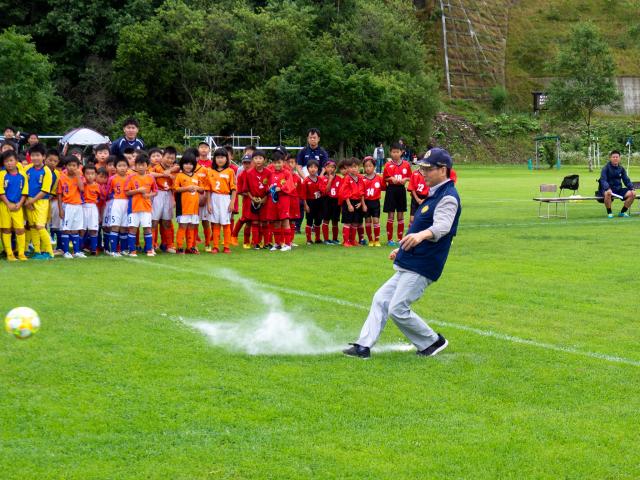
point(418, 262)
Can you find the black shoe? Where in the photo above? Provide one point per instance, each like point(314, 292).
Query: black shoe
point(439, 345)
point(356, 350)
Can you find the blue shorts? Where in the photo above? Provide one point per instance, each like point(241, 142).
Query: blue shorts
point(621, 191)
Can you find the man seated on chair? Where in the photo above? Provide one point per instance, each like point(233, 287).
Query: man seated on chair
point(611, 178)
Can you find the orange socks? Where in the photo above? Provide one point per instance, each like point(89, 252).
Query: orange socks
point(216, 235)
point(182, 232)
point(226, 231)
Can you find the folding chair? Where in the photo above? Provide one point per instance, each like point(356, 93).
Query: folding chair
point(550, 188)
point(570, 182)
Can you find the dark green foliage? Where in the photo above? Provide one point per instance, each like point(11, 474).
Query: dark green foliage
point(499, 98)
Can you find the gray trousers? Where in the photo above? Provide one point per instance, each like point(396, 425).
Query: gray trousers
point(394, 300)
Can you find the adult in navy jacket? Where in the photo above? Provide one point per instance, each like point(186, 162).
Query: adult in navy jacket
point(313, 151)
point(612, 177)
point(130, 128)
point(418, 262)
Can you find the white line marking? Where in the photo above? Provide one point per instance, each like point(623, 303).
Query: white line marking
point(456, 326)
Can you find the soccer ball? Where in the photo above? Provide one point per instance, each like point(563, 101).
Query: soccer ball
point(22, 322)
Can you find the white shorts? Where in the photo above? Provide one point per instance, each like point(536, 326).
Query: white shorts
point(120, 213)
point(91, 217)
point(140, 219)
point(221, 214)
point(106, 217)
point(163, 204)
point(55, 222)
point(204, 214)
point(190, 219)
point(73, 217)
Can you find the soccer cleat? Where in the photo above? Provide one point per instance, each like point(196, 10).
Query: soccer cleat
point(246, 246)
point(309, 243)
point(318, 241)
point(294, 244)
point(357, 351)
point(234, 241)
point(328, 242)
point(124, 253)
point(45, 256)
point(609, 215)
point(275, 248)
point(207, 249)
point(285, 248)
point(268, 246)
point(347, 244)
point(67, 255)
point(171, 250)
point(22, 258)
point(79, 255)
point(363, 242)
point(58, 253)
point(133, 254)
point(116, 254)
point(257, 247)
point(623, 214)
point(439, 345)
point(215, 250)
point(11, 258)
point(391, 243)
point(151, 253)
point(377, 244)
point(226, 250)
point(372, 244)
point(194, 251)
point(180, 251)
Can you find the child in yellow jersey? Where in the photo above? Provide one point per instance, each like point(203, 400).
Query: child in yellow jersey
point(13, 193)
point(222, 197)
point(36, 206)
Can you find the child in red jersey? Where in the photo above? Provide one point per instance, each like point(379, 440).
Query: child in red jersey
point(141, 189)
point(91, 214)
point(257, 181)
point(281, 189)
point(296, 199)
point(314, 187)
point(331, 211)
point(203, 155)
point(373, 186)
point(351, 196)
point(419, 191)
point(246, 206)
point(396, 175)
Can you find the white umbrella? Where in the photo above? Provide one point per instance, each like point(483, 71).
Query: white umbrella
point(83, 136)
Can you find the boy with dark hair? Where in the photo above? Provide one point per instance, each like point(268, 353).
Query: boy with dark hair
point(52, 161)
point(373, 186)
point(101, 155)
point(118, 211)
point(40, 180)
point(256, 182)
point(141, 188)
point(352, 199)
point(331, 204)
point(130, 128)
point(164, 202)
point(70, 188)
point(396, 174)
point(203, 155)
point(14, 189)
point(90, 211)
point(314, 187)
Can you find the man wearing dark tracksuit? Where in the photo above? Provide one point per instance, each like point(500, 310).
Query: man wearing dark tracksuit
point(611, 178)
point(418, 262)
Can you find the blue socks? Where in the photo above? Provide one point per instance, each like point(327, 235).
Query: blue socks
point(75, 240)
point(93, 243)
point(148, 242)
point(63, 242)
point(124, 242)
point(132, 243)
point(113, 242)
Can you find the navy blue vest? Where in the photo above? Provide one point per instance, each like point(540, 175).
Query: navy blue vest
point(428, 258)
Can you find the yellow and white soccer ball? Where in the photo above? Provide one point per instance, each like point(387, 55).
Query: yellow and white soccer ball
point(22, 322)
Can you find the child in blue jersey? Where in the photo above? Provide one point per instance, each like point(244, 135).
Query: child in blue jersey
point(13, 193)
point(40, 179)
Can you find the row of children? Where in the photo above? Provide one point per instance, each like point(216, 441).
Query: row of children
point(147, 190)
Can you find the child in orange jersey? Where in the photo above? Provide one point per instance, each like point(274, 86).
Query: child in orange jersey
point(187, 186)
point(90, 212)
point(119, 211)
point(221, 198)
point(164, 203)
point(70, 188)
point(141, 188)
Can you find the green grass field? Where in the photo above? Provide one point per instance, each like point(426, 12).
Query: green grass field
point(539, 381)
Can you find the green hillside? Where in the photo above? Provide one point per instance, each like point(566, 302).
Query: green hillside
point(536, 29)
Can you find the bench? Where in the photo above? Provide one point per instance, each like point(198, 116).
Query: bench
point(552, 188)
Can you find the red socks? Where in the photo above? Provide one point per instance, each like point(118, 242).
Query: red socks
point(352, 235)
point(376, 232)
point(390, 230)
point(369, 232)
point(255, 233)
point(400, 229)
point(360, 232)
point(346, 234)
point(335, 231)
point(316, 231)
point(325, 231)
point(307, 231)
